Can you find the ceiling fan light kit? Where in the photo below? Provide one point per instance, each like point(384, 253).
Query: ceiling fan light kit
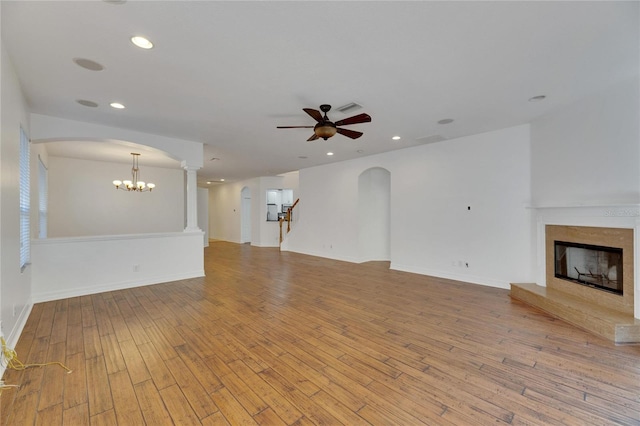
point(324, 131)
point(325, 128)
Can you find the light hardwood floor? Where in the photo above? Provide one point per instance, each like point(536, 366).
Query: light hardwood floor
point(282, 338)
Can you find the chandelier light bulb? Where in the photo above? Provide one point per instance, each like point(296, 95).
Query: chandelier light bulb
point(134, 184)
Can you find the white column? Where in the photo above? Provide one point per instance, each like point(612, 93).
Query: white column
point(192, 200)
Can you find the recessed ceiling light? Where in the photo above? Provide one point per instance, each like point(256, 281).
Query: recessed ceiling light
point(445, 121)
point(88, 64)
point(141, 42)
point(329, 154)
point(86, 103)
point(360, 151)
point(208, 182)
point(396, 138)
point(221, 180)
point(537, 98)
point(116, 105)
point(115, 1)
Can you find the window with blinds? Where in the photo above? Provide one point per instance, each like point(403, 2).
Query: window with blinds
point(25, 241)
point(43, 187)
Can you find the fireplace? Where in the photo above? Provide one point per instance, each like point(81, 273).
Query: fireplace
point(595, 266)
point(592, 263)
point(586, 265)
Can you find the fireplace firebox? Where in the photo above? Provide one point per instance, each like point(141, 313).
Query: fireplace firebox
point(590, 265)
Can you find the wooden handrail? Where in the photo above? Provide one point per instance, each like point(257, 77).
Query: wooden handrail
point(287, 218)
point(289, 210)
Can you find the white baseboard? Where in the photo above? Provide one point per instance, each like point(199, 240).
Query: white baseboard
point(350, 259)
point(489, 282)
point(14, 335)
point(84, 291)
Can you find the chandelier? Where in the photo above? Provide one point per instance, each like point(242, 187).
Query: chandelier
point(134, 184)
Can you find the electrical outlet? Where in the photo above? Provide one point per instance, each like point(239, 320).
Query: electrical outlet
point(466, 264)
point(136, 268)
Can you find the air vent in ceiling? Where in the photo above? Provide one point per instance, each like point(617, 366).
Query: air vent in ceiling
point(349, 108)
point(431, 139)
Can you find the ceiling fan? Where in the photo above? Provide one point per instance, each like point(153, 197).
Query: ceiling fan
point(325, 128)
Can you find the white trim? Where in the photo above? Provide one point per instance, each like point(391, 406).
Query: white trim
point(586, 206)
point(84, 291)
point(463, 278)
point(115, 237)
point(605, 216)
point(16, 332)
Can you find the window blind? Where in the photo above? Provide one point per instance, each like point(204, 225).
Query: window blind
point(43, 188)
point(25, 241)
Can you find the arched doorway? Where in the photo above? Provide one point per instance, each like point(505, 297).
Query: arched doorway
point(374, 214)
point(245, 216)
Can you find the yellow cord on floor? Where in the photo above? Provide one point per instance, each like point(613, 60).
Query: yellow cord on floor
point(10, 360)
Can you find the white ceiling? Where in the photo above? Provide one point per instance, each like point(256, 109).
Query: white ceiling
point(227, 73)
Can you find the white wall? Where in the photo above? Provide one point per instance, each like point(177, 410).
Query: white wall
point(225, 209)
point(268, 232)
point(67, 267)
point(432, 231)
point(589, 152)
point(15, 286)
point(48, 129)
point(83, 200)
point(586, 168)
point(291, 181)
point(203, 213)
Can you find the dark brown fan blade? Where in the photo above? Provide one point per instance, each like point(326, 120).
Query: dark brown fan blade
point(314, 113)
point(313, 138)
point(295, 127)
point(360, 118)
point(349, 133)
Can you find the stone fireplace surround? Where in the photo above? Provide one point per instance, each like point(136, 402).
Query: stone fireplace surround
point(612, 316)
point(608, 237)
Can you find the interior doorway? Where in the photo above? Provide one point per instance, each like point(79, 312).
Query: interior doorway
point(245, 215)
point(374, 215)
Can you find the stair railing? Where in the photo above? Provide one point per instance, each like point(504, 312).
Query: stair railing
point(287, 218)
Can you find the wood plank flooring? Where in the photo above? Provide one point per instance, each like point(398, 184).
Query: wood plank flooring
point(286, 339)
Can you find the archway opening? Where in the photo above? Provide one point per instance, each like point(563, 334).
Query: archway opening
point(374, 215)
point(245, 215)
